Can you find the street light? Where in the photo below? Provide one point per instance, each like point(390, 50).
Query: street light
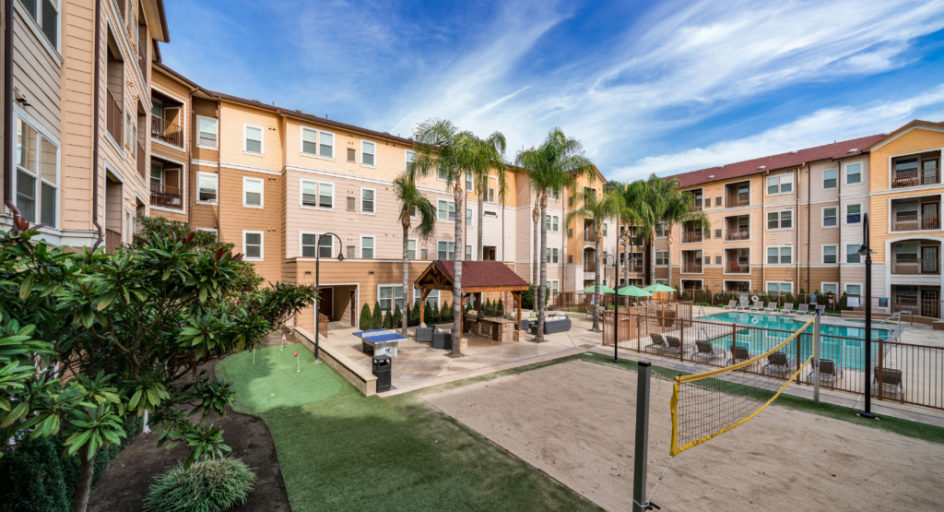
point(619, 237)
point(318, 278)
point(866, 251)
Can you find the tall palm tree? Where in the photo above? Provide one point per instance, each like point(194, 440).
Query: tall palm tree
point(672, 206)
point(552, 166)
point(490, 154)
point(598, 211)
point(536, 217)
point(412, 200)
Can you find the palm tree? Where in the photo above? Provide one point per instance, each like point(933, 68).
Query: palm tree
point(489, 154)
point(552, 166)
point(672, 206)
point(536, 217)
point(412, 200)
point(609, 205)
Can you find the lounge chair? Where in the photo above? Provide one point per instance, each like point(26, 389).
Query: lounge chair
point(772, 307)
point(705, 351)
point(777, 364)
point(743, 302)
point(739, 353)
point(658, 344)
point(674, 346)
point(787, 308)
point(732, 304)
point(758, 306)
point(820, 308)
point(829, 373)
point(887, 381)
point(803, 309)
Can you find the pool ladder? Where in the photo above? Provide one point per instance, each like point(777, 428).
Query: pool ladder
point(896, 315)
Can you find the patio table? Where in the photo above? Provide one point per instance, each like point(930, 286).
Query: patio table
point(379, 341)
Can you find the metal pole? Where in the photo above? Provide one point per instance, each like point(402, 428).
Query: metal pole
point(616, 298)
point(816, 345)
point(317, 283)
point(867, 248)
point(642, 438)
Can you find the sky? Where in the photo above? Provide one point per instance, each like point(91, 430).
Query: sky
point(647, 87)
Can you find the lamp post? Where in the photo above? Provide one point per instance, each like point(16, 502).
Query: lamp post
point(866, 251)
point(619, 237)
point(318, 278)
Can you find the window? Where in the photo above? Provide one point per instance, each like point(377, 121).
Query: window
point(708, 202)
point(326, 145)
point(351, 155)
point(468, 253)
point(829, 178)
point(556, 227)
point(780, 220)
point(779, 287)
point(368, 150)
point(432, 298)
point(252, 245)
point(468, 182)
point(207, 132)
point(852, 254)
point(37, 175)
point(367, 247)
point(446, 251)
point(552, 286)
point(468, 217)
point(828, 288)
point(780, 184)
point(411, 249)
point(446, 210)
point(781, 255)
point(552, 255)
point(310, 143)
point(325, 245)
point(207, 187)
point(853, 173)
point(660, 230)
point(367, 200)
point(252, 139)
point(318, 195)
point(491, 195)
point(351, 204)
point(389, 296)
point(662, 257)
point(854, 290)
point(46, 15)
point(829, 216)
point(552, 194)
point(252, 192)
point(408, 158)
point(717, 260)
point(853, 213)
point(829, 254)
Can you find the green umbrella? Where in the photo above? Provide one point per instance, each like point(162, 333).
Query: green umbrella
point(659, 287)
point(633, 291)
point(603, 289)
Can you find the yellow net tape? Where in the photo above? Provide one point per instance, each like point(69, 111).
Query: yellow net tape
point(726, 412)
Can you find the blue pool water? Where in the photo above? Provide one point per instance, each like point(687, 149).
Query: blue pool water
point(844, 345)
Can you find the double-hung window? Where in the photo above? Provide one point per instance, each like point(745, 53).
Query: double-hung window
point(317, 143)
point(37, 176)
point(446, 210)
point(662, 257)
point(854, 290)
point(367, 247)
point(432, 298)
point(779, 255)
point(312, 242)
point(207, 132)
point(552, 255)
point(252, 245)
point(316, 194)
point(829, 178)
point(828, 288)
point(367, 200)
point(780, 184)
point(780, 220)
point(853, 213)
point(446, 250)
point(468, 217)
point(852, 254)
point(829, 254)
point(252, 139)
point(368, 153)
point(468, 252)
point(252, 192)
point(779, 287)
point(853, 173)
point(46, 15)
point(829, 216)
point(207, 187)
point(408, 158)
point(389, 296)
point(411, 249)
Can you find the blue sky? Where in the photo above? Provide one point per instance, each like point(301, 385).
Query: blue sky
point(661, 87)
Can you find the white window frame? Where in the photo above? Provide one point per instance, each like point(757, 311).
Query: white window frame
point(822, 252)
point(781, 179)
point(845, 289)
point(418, 293)
point(836, 178)
point(301, 140)
point(845, 171)
point(415, 248)
point(847, 252)
point(246, 128)
point(447, 242)
point(261, 234)
point(216, 121)
point(408, 156)
point(822, 217)
point(41, 132)
point(373, 248)
point(301, 245)
point(393, 298)
point(822, 284)
point(779, 220)
point(374, 201)
point(468, 217)
point(845, 217)
point(372, 153)
point(35, 25)
point(446, 209)
point(779, 287)
point(216, 179)
point(261, 182)
point(317, 184)
point(779, 249)
point(665, 258)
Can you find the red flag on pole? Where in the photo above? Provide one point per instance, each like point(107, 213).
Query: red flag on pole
point(296, 353)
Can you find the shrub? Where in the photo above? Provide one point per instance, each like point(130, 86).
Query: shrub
point(376, 321)
point(527, 298)
point(445, 314)
point(397, 317)
point(387, 322)
point(434, 315)
point(365, 321)
point(210, 485)
point(414, 316)
point(501, 308)
point(428, 313)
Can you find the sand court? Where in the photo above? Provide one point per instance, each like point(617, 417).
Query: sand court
point(576, 420)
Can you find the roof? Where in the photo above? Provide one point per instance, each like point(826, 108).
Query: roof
point(836, 150)
point(917, 123)
point(477, 276)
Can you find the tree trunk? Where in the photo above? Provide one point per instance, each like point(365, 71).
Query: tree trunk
point(84, 486)
point(405, 221)
point(542, 284)
point(668, 260)
point(596, 282)
point(481, 228)
point(535, 216)
point(459, 195)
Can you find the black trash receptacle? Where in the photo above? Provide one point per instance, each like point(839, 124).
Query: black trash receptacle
point(382, 369)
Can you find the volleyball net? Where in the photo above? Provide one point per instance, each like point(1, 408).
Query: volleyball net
point(706, 405)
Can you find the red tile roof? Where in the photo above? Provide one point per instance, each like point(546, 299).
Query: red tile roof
point(840, 149)
point(482, 274)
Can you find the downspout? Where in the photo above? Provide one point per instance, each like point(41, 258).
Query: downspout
point(219, 172)
point(763, 236)
point(809, 217)
point(839, 216)
point(191, 176)
point(796, 220)
point(95, 118)
point(8, 109)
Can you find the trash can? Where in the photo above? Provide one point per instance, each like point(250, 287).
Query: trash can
point(382, 367)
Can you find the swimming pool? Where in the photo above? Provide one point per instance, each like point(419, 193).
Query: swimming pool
point(842, 344)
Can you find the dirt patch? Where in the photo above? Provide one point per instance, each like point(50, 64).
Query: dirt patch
point(576, 422)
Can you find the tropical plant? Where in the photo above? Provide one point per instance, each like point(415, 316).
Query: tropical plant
point(412, 203)
point(489, 154)
point(365, 319)
point(552, 166)
point(671, 206)
point(598, 210)
point(207, 486)
point(376, 321)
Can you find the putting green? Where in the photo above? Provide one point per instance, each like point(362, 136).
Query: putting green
point(273, 380)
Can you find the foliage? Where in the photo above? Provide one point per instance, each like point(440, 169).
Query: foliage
point(388, 321)
point(365, 318)
point(397, 316)
point(376, 321)
point(500, 310)
point(207, 486)
point(527, 298)
point(445, 314)
point(434, 315)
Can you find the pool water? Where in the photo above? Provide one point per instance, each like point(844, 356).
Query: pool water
point(842, 344)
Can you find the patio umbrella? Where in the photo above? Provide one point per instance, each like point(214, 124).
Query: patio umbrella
point(633, 291)
point(659, 287)
point(603, 289)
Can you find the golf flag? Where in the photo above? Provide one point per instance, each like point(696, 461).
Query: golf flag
point(296, 353)
point(298, 363)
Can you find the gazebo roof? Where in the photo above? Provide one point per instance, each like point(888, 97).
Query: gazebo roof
point(477, 276)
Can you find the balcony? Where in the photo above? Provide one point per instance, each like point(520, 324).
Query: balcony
point(917, 214)
point(737, 261)
point(913, 171)
point(915, 266)
point(142, 60)
point(142, 162)
point(737, 194)
point(913, 257)
point(698, 196)
point(113, 116)
point(692, 235)
point(737, 228)
point(167, 196)
point(167, 131)
point(692, 262)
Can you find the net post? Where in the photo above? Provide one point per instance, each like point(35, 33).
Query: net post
point(640, 457)
point(816, 346)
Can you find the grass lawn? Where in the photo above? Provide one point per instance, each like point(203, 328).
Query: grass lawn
point(339, 450)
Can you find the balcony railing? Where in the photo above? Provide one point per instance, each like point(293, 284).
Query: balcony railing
point(690, 266)
point(733, 267)
point(923, 307)
point(915, 266)
point(113, 117)
point(692, 236)
point(166, 196)
point(913, 177)
point(589, 266)
point(738, 199)
point(142, 162)
point(589, 236)
point(915, 222)
point(738, 234)
point(164, 130)
point(142, 60)
point(112, 240)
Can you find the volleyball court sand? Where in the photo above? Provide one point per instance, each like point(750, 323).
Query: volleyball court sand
point(575, 421)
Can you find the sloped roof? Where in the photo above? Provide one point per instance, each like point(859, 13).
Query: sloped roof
point(476, 276)
point(842, 149)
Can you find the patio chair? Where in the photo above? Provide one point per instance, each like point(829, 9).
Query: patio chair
point(829, 373)
point(803, 309)
point(442, 340)
point(743, 302)
point(658, 344)
point(732, 304)
point(887, 381)
point(674, 346)
point(787, 308)
point(772, 307)
point(739, 353)
point(777, 364)
point(820, 308)
point(705, 351)
point(758, 306)
point(424, 334)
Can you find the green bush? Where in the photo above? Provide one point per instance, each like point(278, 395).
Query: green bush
point(434, 316)
point(387, 322)
point(414, 316)
point(445, 314)
point(207, 486)
point(376, 321)
point(397, 317)
point(501, 308)
point(366, 319)
point(527, 298)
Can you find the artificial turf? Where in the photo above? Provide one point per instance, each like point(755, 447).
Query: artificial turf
point(339, 450)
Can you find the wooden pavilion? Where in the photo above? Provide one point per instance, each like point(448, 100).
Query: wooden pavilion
point(478, 277)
